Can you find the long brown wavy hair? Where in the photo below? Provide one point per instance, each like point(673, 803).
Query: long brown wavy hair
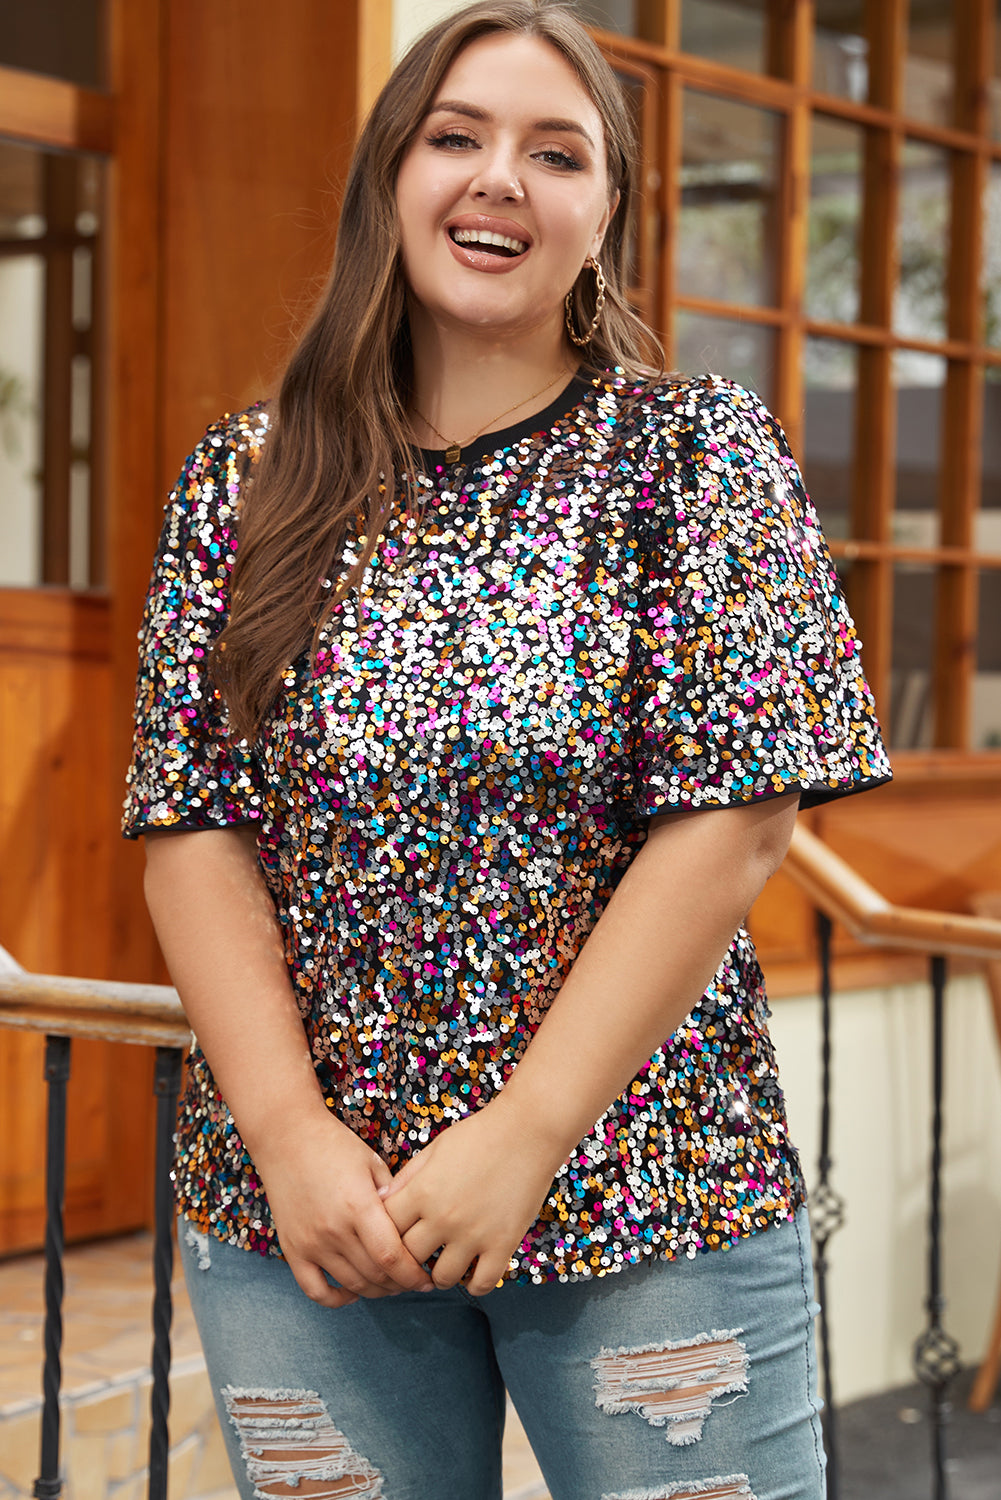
point(338, 435)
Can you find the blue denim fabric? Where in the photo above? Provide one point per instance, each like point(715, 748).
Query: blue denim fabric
point(406, 1394)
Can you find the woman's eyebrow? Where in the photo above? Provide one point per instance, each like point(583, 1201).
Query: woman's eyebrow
point(474, 112)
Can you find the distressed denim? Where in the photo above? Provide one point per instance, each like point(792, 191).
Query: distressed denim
point(666, 1381)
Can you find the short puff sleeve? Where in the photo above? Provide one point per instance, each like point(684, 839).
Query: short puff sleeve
point(749, 674)
point(185, 773)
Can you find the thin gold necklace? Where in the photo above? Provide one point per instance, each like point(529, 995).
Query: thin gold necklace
point(453, 448)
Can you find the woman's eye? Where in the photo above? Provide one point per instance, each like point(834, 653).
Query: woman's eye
point(451, 140)
point(561, 159)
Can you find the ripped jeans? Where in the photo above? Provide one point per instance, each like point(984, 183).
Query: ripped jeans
point(672, 1380)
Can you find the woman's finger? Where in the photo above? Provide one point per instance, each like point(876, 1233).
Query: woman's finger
point(452, 1264)
point(486, 1274)
point(315, 1285)
point(403, 1210)
point(388, 1260)
point(407, 1171)
point(423, 1240)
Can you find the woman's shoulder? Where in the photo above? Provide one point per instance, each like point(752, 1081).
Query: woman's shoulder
point(236, 438)
point(215, 472)
point(672, 394)
point(686, 407)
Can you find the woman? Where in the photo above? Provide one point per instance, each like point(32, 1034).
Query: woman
point(527, 658)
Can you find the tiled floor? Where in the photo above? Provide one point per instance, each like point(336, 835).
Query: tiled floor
point(106, 1352)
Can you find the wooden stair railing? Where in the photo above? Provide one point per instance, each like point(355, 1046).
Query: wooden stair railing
point(842, 895)
point(151, 1015)
point(846, 897)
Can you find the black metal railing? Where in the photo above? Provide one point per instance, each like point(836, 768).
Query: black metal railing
point(839, 893)
point(145, 1014)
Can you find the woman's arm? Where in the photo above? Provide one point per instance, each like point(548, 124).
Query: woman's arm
point(477, 1188)
point(217, 928)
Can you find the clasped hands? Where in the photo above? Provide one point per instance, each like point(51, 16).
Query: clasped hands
point(471, 1195)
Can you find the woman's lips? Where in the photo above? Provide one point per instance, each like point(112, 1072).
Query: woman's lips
point(489, 239)
point(483, 260)
point(490, 244)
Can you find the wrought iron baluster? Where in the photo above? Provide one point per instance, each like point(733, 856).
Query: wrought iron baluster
point(936, 1353)
point(49, 1485)
point(166, 1086)
point(827, 1208)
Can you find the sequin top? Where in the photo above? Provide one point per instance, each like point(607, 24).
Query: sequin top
point(629, 611)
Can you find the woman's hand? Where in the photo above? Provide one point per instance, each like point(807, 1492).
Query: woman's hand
point(473, 1194)
point(323, 1189)
point(216, 923)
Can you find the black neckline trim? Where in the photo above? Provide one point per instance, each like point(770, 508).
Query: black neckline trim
point(488, 442)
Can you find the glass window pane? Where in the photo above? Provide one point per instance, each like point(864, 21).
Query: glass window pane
point(729, 198)
point(833, 259)
point(920, 303)
point(831, 377)
point(992, 257)
point(609, 15)
point(49, 221)
point(644, 230)
point(22, 297)
point(919, 380)
point(986, 727)
point(911, 716)
point(841, 50)
point(734, 32)
point(929, 76)
point(64, 38)
point(987, 522)
point(744, 352)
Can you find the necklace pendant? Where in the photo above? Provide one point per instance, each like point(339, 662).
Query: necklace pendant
point(453, 453)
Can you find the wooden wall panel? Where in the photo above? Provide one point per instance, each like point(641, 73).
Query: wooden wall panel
point(56, 855)
point(260, 120)
point(237, 124)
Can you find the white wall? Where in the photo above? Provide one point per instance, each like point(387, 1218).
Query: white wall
point(881, 1134)
point(411, 17)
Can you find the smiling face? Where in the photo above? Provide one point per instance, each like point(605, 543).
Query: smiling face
point(503, 193)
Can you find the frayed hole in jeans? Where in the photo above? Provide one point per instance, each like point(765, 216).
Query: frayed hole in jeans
point(291, 1447)
point(199, 1243)
point(672, 1385)
point(730, 1487)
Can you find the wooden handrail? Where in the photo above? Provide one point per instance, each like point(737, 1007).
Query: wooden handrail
point(846, 897)
point(100, 1009)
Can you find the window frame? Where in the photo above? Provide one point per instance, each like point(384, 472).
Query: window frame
point(788, 91)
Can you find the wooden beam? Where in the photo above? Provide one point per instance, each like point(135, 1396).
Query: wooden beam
point(59, 204)
point(134, 420)
point(659, 21)
point(956, 622)
point(855, 549)
point(49, 112)
point(791, 46)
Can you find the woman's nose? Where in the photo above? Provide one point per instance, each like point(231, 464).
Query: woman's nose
point(498, 178)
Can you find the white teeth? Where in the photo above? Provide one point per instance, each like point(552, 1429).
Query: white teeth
point(487, 237)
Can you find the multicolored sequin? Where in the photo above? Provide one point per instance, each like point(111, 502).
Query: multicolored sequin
point(631, 611)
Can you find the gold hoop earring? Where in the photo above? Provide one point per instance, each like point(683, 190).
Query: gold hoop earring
point(599, 306)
